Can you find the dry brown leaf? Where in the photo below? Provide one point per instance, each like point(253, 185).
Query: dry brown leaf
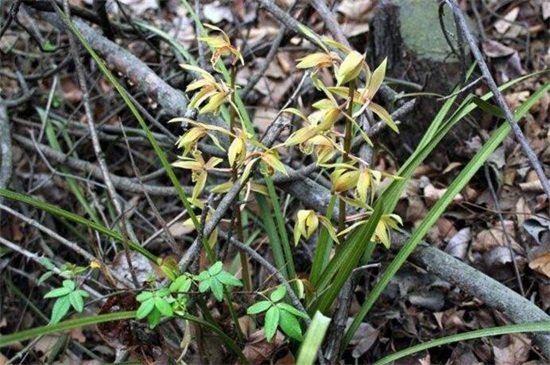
point(496, 49)
point(71, 91)
point(458, 245)
point(177, 229)
point(288, 359)
point(517, 352)
point(77, 335)
point(356, 9)
point(3, 360)
point(433, 194)
point(142, 267)
point(139, 7)
point(531, 186)
point(502, 25)
point(514, 100)
point(541, 264)
point(545, 8)
point(264, 117)
point(494, 237)
point(416, 210)
point(363, 339)
point(45, 345)
point(446, 227)
point(257, 349)
point(452, 166)
point(247, 325)
point(522, 211)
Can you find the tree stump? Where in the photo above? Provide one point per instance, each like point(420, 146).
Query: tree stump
point(409, 34)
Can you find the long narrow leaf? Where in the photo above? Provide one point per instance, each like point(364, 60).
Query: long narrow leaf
point(313, 339)
point(280, 219)
point(438, 209)
point(6, 340)
point(123, 93)
point(324, 246)
point(486, 332)
point(59, 212)
point(274, 240)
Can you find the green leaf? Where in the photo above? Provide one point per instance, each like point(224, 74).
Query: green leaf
point(154, 318)
point(203, 275)
point(205, 285)
point(82, 293)
point(145, 308)
point(59, 292)
point(226, 278)
point(258, 307)
point(48, 46)
point(69, 284)
point(47, 263)
point(143, 296)
point(271, 322)
point(314, 337)
point(288, 308)
point(163, 292)
point(384, 115)
point(60, 309)
point(278, 294)
point(76, 301)
point(45, 277)
point(488, 107)
point(217, 289)
point(182, 284)
point(163, 307)
point(216, 268)
point(290, 325)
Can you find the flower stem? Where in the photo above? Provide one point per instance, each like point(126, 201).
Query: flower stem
point(234, 176)
point(345, 157)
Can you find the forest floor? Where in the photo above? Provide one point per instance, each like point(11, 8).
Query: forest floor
point(499, 224)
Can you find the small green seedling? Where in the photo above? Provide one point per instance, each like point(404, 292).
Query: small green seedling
point(215, 278)
point(67, 296)
point(279, 314)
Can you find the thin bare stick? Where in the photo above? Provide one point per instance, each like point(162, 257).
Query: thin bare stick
point(125, 225)
point(5, 148)
point(121, 183)
point(34, 257)
point(531, 155)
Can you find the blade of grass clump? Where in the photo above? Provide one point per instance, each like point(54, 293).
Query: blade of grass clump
point(124, 95)
point(274, 240)
point(71, 181)
point(438, 209)
point(25, 335)
point(427, 223)
point(342, 264)
point(283, 234)
point(62, 213)
point(486, 332)
point(6, 340)
point(350, 252)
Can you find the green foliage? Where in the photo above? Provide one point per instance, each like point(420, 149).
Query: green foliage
point(354, 182)
point(155, 305)
point(66, 296)
point(165, 302)
point(215, 279)
point(279, 314)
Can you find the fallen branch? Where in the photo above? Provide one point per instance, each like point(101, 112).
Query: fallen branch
point(475, 283)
